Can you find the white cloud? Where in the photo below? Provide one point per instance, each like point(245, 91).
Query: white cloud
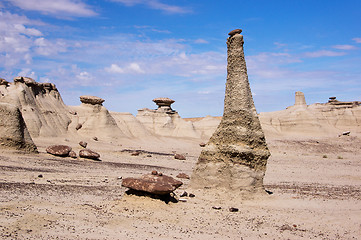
point(114, 68)
point(357, 40)
point(323, 53)
point(132, 68)
point(157, 5)
point(56, 7)
point(201, 41)
point(344, 47)
point(27, 72)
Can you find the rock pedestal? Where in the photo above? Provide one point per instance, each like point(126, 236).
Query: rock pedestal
point(236, 155)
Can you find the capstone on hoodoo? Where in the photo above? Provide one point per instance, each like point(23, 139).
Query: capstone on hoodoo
point(236, 155)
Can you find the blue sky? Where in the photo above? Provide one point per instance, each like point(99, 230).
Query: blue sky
point(131, 51)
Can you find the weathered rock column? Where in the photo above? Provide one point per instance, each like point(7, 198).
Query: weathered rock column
point(236, 155)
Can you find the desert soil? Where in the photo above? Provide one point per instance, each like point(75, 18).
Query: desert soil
point(315, 185)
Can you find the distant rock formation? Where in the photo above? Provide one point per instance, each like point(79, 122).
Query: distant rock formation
point(91, 100)
point(41, 106)
point(319, 119)
point(236, 155)
point(165, 121)
point(13, 131)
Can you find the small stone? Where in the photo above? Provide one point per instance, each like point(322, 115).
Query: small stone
point(120, 177)
point(95, 139)
point(346, 133)
point(182, 200)
point(217, 207)
point(59, 150)
point(183, 175)
point(135, 154)
point(202, 144)
point(83, 144)
point(78, 126)
point(40, 175)
point(73, 112)
point(72, 154)
point(87, 153)
point(149, 155)
point(233, 209)
point(184, 194)
point(154, 172)
point(179, 156)
point(191, 195)
point(160, 174)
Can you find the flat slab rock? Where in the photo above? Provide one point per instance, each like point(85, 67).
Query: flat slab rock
point(154, 184)
point(59, 150)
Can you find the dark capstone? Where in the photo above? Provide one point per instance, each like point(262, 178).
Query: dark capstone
point(191, 195)
point(59, 150)
point(87, 153)
point(234, 32)
point(202, 144)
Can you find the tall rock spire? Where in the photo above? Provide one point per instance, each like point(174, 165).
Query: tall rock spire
point(236, 154)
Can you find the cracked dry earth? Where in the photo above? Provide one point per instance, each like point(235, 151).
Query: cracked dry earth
point(315, 183)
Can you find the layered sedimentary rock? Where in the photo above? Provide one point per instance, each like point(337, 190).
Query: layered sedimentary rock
point(236, 155)
point(94, 119)
point(41, 106)
point(13, 131)
point(318, 119)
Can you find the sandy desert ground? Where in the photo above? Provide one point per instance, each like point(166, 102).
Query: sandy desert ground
point(315, 185)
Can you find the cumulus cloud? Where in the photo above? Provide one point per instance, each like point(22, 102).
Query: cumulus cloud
point(56, 7)
point(132, 68)
point(157, 5)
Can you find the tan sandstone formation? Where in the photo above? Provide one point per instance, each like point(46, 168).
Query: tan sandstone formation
point(236, 155)
point(94, 119)
point(13, 131)
point(42, 108)
point(165, 121)
point(318, 119)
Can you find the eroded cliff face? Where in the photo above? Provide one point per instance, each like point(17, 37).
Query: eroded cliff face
point(42, 108)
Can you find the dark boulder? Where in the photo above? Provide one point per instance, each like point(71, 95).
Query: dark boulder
point(59, 150)
point(87, 153)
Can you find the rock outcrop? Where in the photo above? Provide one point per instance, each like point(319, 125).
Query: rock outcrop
point(41, 106)
point(236, 155)
point(13, 130)
point(318, 119)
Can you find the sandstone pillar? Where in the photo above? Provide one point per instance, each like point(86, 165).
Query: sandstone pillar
point(300, 99)
point(236, 155)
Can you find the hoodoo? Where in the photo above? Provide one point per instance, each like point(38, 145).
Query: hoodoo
point(236, 155)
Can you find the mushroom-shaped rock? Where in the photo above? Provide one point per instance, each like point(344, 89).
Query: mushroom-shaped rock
point(163, 101)
point(234, 32)
point(87, 153)
point(154, 184)
point(59, 150)
point(91, 100)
